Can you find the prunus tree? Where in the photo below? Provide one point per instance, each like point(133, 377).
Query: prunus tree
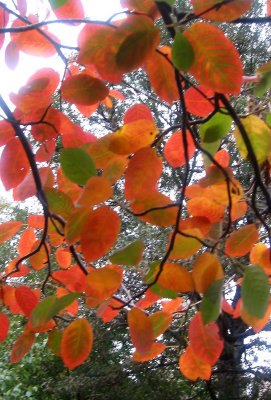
point(159, 217)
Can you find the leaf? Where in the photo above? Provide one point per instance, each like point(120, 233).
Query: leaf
point(97, 190)
point(46, 151)
point(155, 350)
point(192, 367)
point(59, 203)
point(64, 9)
point(99, 232)
point(161, 75)
point(144, 6)
point(54, 341)
point(50, 127)
point(109, 309)
point(22, 345)
point(74, 225)
point(130, 255)
point(6, 132)
point(4, 326)
point(260, 254)
point(205, 339)
point(49, 307)
point(217, 64)
point(141, 330)
point(83, 89)
point(141, 38)
point(77, 165)
point(136, 112)
point(259, 135)
point(240, 242)
point(148, 199)
point(26, 299)
point(175, 150)
point(63, 257)
point(160, 321)
point(197, 100)
point(103, 282)
point(255, 291)
point(211, 303)
point(14, 164)
point(203, 207)
point(207, 269)
point(176, 278)
point(223, 13)
point(182, 52)
point(115, 168)
point(144, 170)
point(185, 247)
point(76, 343)
point(9, 229)
point(217, 127)
point(132, 137)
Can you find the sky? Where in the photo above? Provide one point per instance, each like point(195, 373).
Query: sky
point(11, 81)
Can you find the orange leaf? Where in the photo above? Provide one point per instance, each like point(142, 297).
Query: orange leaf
point(205, 339)
point(141, 330)
point(240, 242)
point(175, 151)
point(149, 199)
point(103, 282)
point(63, 257)
point(99, 232)
point(197, 100)
point(171, 306)
point(149, 300)
point(144, 6)
point(68, 187)
point(39, 259)
point(161, 75)
point(46, 151)
point(9, 229)
point(4, 325)
point(7, 294)
point(74, 225)
point(192, 367)
point(100, 152)
point(23, 270)
point(238, 210)
point(222, 13)
point(14, 164)
point(73, 307)
point(26, 299)
point(22, 345)
point(97, 190)
point(217, 64)
point(136, 112)
point(133, 136)
point(175, 277)
point(201, 223)
point(206, 269)
point(203, 207)
point(144, 170)
point(76, 343)
point(36, 221)
point(257, 323)
point(155, 350)
point(73, 278)
point(260, 254)
point(115, 168)
point(109, 309)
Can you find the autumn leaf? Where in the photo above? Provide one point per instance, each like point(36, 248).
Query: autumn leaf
point(9, 229)
point(22, 346)
point(141, 330)
point(221, 13)
point(76, 343)
point(192, 367)
point(155, 350)
point(206, 269)
point(175, 150)
point(240, 242)
point(64, 9)
point(101, 283)
point(4, 326)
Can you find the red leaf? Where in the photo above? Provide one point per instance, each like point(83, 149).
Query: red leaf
point(240, 242)
point(136, 112)
point(217, 64)
point(22, 345)
point(144, 6)
point(205, 339)
point(4, 325)
point(8, 229)
point(46, 151)
point(76, 343)
point(14, 164)
point(196, 100)
point(49, 128)
point(175, 151)
point(109, 309)
point(68, 9)
point(141, 330)
point(73, 278)
point(155, 350)
point(63, 257)
point(222, 13)
point(83, 89)
point(26, 242)
point(6, 132)
point(26, 299)
point(99, 232)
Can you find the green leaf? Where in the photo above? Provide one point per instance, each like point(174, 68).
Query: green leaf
point(130, 255)
point(211, 302)
point(182, 52)
point(170, 2)
point(263, 85)
point(255, 291)
point(49, 307)
point(57, 3)
point(59, 203)
point(77, 165)
point(214, 129)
